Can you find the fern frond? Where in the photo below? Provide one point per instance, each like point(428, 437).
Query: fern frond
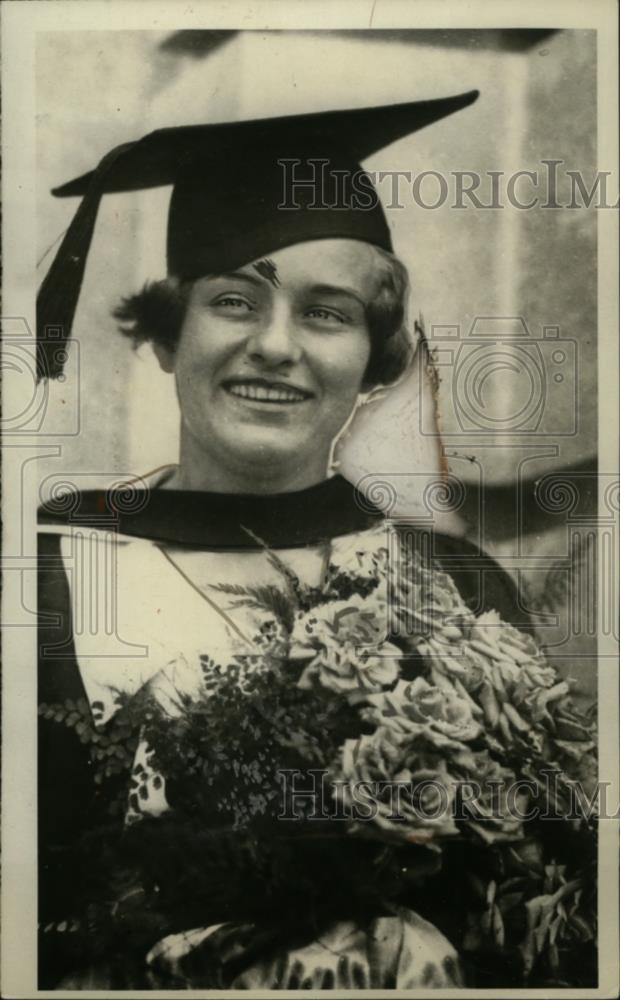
point(273, 599)
point(291, 578)
point(235, 589)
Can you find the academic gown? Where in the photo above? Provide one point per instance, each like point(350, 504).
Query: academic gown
point(168, 539)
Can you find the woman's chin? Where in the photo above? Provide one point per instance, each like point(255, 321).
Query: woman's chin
point(271, 455)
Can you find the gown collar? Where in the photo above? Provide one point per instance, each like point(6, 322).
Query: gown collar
point(144, 509)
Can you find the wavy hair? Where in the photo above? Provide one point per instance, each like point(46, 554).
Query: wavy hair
point(156, 314)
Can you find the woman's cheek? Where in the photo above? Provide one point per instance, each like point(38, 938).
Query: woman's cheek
point(347, 373)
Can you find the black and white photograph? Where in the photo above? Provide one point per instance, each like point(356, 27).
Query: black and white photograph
point(311, 497)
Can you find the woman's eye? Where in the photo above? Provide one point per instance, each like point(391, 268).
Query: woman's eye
point(235, 302)
point(326, 315)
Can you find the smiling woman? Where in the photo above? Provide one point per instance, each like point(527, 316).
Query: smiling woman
point(218, 633)
point(242, 331)
point(297, 337)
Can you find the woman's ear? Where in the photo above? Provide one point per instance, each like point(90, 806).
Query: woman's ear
point(166, 356)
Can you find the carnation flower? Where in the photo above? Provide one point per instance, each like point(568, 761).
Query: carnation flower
point(440, 713)
point(504, 643)
point(388, 782)
point(536, 674)
point(346, 646)
point(451, 660)
point(425, 602)
point(490, 800)
point(366, 555)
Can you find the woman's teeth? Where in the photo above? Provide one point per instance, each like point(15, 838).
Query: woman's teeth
point(266, 394)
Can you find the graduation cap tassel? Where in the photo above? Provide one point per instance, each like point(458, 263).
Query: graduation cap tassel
point(59, 292)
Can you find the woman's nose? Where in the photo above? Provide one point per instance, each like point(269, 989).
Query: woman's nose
point(274, 340)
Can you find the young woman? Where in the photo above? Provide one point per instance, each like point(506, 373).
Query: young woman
point(206, 583)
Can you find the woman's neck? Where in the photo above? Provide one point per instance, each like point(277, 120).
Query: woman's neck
point(192, 479)
point(213, 478)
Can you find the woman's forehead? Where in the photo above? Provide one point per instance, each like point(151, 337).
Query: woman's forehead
point(329, 262)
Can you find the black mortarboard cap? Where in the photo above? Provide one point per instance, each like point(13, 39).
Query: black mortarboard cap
point(238, 194)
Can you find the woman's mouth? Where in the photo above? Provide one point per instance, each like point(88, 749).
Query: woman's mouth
point(262, 391)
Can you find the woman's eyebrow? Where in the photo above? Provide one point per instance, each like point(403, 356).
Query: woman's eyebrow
point(338, 290)
point(237, 276)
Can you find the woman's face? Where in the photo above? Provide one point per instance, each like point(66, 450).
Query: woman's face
point(271, 359)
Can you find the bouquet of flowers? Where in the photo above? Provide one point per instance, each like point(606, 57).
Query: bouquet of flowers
point(380, 738)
